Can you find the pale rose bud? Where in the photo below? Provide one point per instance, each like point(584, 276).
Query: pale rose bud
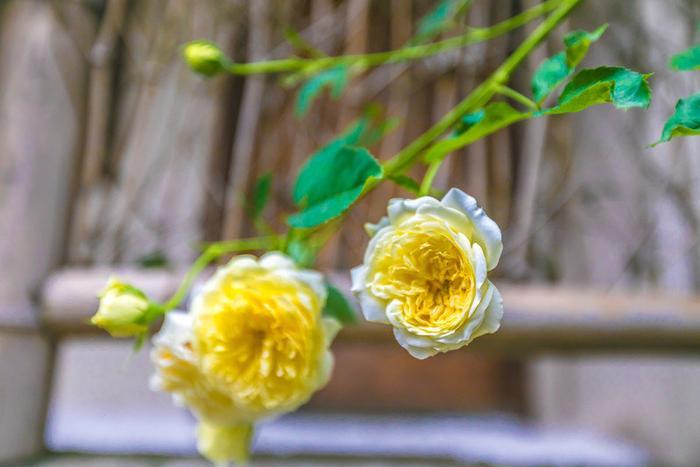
point(204, 57)
point(123, 310)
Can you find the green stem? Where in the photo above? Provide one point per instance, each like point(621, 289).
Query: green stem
point(427, 184)
point(211, 253)
point(480, 95)
point(516, 96)
point(311, 66)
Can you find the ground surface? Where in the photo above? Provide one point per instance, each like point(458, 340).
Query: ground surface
point(123, 461)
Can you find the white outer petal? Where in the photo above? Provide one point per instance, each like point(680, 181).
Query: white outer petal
point(372, 309)
point(175, 332)
point(479, 264)
point(399, 206)
point(276, 260)
point(492, 315)
point(487, 231)
point(372, 229)
point(421, 353)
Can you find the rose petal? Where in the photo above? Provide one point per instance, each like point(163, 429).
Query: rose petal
point(486, 231)
point(420, 353)
point(492, 315)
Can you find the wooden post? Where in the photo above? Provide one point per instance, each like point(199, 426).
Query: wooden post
point(43, 74)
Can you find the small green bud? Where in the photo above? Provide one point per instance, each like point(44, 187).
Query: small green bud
point(204, 57)
point(124, 310)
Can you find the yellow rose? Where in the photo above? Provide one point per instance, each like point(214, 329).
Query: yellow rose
point(260, 335)
point(424, 273)
point(253, 346)
point(123, 310)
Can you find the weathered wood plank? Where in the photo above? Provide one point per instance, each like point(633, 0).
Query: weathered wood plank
point(537, 318)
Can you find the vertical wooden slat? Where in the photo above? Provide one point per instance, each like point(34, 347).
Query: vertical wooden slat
point(100, 100)
point(42, 77)
point(164, 134)
point(248, 121)
point(530, 156)
point(470, 165)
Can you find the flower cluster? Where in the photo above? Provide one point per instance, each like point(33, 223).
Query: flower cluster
point(255, 343)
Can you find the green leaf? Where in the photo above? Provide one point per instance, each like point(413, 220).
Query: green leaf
point(688, 60)
point(439, 19)
point(685, 121)
point(330, 182)
point(352, 136)
point(469, 120)
point(554, 70)
point(578, 42)
point(619, 86)
point(550, 74)
point(338, 307)
point(406, 182)
point(335, 78)
point(261, 193)
point(490, 119)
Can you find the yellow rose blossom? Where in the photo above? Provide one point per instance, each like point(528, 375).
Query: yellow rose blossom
point(260, 334)
point(253, 346)
point(424, 273)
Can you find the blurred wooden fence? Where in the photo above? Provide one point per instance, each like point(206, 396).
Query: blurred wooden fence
point(112, 151)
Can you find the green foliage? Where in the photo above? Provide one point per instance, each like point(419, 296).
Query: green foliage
point(155, 259)
point(619, 86)
point(437, 20)
point(477, 125)
point(336, 79)
point(550, 74)
point(685, 121)
point(469, 120)
point(338, 307)
point(330, 182)
point(554, 70)
point(333, 178)
point(578, 42)
point(688, 60)
point(255, 204)
point(406, 182)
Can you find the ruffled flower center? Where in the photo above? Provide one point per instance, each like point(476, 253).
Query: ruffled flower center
point(426, 277)
point(260, 339)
